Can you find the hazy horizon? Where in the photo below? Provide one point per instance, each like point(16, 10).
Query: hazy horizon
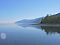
point(14, 10)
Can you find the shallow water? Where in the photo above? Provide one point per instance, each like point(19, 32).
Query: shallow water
point(13, 34)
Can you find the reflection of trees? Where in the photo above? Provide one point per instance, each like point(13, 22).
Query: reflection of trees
point(49, 29)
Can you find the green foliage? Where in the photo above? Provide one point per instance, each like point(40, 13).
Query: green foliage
point(53, 19)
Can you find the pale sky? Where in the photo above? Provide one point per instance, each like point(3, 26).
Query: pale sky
point(14, 10)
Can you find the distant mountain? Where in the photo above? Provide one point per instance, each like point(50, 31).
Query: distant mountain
point(33, 21)
point(49, 19)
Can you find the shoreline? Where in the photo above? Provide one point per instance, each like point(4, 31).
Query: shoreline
point(47, 24)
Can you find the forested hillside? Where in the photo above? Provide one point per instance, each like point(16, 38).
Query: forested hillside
point(52, 19)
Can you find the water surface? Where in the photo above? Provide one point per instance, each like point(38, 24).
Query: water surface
point(13, 34)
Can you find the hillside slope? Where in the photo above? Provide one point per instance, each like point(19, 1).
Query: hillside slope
point(33, 21)
point(53, 19)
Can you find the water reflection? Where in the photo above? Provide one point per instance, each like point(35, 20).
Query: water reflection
point(47, 29)
point(51, 29)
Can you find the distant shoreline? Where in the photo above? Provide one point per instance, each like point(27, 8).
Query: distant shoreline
point(47, 24)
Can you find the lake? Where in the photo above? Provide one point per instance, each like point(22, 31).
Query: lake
point(13, 34)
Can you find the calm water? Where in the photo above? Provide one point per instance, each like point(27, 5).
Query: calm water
point(13, 34)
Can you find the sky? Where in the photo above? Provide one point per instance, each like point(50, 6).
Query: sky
point(15, 10)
